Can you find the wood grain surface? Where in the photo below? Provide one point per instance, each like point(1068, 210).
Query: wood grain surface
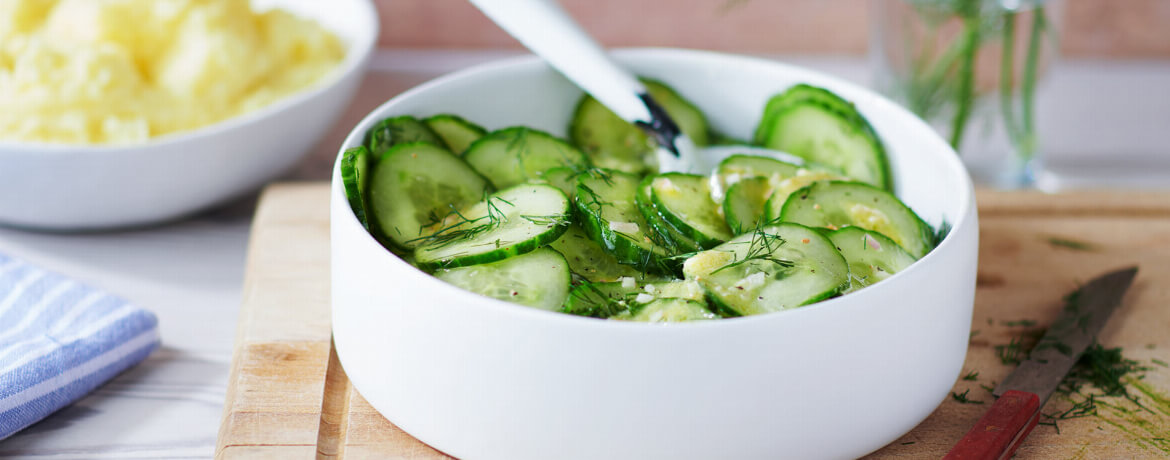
point(1088, 28)
point(289, 398)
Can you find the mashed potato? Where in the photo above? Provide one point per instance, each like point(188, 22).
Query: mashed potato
point(124, 71)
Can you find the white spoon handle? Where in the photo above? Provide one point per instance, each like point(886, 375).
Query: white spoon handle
point(545, 28)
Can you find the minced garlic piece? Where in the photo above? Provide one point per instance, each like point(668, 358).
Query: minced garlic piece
point(624, 227)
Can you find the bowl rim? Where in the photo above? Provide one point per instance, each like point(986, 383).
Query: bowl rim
point(357, 53)
point(965, 216)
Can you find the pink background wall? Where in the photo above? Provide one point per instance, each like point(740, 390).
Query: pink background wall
point(1091, 28)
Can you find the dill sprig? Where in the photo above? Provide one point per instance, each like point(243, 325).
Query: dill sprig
point(971, 376)
point(1069, 243)
point(962, 397)
point(683, 256)
point(761, 248)
point(588, 198)
point(463, 228)
point(941, 233)
point(548, 219)
point(598, 173)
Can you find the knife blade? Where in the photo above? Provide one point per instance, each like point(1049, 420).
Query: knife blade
point(1021, 395)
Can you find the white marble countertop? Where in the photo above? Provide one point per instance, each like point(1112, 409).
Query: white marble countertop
point(190, 272)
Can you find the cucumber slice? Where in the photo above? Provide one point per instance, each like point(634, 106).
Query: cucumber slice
point(604, 300)
point(871, 256)
point(771, 269)
point(600, 300)
point(564, 179)
point(587, 260)
point(610, 216)
point(684, 200)
point(828, 132)
point(686, 114)
point(616, 144)
point(516, 155)
point(736, 167)
point(743, 208)
point(797, 93)
point(538, 279)
point(667, 311)
point(510, 222)
point(677, 289)
point(741, 166)
point(676, 241)
point(456, 133)
point(781, 180)
point(413, 186)
point(715, 137)
point(355, 178)
point(783, 188)
point(399, 130)
point(839, 204)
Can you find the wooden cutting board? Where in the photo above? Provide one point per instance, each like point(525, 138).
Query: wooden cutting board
point(288, 397)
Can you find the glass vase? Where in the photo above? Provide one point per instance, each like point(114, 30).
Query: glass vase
point(973, 69)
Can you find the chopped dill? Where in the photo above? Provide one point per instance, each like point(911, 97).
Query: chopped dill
point(1104, 369)
point(1020, 346)
point(1099, 373)
point(1068, 243)
point(592, 301)
point(962, 397)
point(1011, 353)
point(971, 376)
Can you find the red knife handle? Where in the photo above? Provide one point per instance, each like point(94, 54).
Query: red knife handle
point(1001, 430)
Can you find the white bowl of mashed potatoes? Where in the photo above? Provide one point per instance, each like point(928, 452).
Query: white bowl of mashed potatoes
point(120, 113)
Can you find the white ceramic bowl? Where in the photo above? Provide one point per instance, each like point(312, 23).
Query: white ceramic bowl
point(68, 187)
point(480, 378)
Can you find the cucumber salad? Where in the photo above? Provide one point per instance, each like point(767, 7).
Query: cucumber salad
point(586, 226)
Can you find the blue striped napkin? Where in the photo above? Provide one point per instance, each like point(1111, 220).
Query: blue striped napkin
point(59, 340)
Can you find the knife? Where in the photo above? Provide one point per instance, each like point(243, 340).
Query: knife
point(1021, 395)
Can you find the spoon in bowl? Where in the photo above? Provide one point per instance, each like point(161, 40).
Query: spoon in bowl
point(548, 31)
